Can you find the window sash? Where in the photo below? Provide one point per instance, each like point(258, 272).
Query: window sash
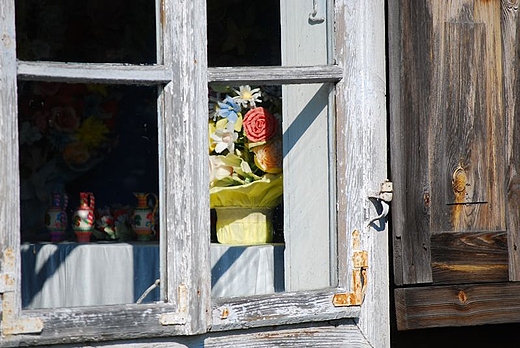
point(185, 242)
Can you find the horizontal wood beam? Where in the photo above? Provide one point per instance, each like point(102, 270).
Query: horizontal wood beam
point(94, 73)
point(275, 75)
point(457, 305)
point(95, 323)
point(469, 257)
point(278, 309)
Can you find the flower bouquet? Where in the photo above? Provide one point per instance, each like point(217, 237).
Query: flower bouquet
point(245, 150)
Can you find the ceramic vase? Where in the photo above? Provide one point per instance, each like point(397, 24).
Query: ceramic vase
point(244, 226)
point(83, 220)
point(56, 217)
point(143, 218)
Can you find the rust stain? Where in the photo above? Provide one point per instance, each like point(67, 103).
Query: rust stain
point(462, 297)
point(224, 313)
point(426, 199)
point(459, 182)
point(356, 240)
point(162, 14)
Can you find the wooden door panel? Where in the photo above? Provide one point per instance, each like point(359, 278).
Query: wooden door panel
point(455, 161)
point(450, 161)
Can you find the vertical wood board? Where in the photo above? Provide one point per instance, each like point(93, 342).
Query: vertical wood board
point(362, 151)
point(186, 180)
point(9, 175)
point(510, 22)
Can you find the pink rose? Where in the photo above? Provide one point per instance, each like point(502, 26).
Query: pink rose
point(64, 119)
point(269, 157)
point(260, 125)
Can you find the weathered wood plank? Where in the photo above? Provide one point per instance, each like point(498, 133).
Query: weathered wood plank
point(338, 333)
point(9, 176)
point(362, 152)
point(90, 73)
point(410, 69)
point(467, 124)
point(97, 324)
point(184, 179)
point(447, 126)
point(279, 309)
point(346, 334)
point(457, 305)
point(511, 65)
point(275, 75)
point(469, 257)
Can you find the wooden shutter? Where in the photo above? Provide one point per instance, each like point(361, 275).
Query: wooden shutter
point(454, 161)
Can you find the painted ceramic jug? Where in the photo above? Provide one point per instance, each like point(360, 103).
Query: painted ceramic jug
point(83, 220)
point(56, 217)
point(143, 219)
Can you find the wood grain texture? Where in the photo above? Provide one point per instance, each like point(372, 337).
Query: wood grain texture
point(469, 257)
point(410, 69)
point(345, 334)
point(447, 135)
point(338, 333)
point(97, 324)
point(184, 180)
point(94, 73)
point(275, 75)
point(511, 63)
point(362, 152)
point(9, 177)
point(457, 305)
point(280, 309)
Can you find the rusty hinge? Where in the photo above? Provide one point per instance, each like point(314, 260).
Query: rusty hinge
point(12, 323)
point(179, 317)
point(359, 277)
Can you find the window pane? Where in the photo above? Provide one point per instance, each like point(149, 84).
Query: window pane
point(87, 146)
point(243, 33)
point(96, 31)
point(271, 189)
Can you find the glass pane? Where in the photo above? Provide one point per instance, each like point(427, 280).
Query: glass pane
point(95, 31)
point(270, 189)
point(242, 33)
point(89, 185)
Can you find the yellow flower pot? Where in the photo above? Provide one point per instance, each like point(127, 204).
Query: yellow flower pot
point(244, 226)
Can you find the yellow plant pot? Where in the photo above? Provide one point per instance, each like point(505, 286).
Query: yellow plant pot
point(244, 226)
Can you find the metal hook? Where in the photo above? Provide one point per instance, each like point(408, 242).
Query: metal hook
point(314, 13)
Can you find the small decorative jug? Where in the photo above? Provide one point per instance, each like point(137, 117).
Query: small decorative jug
point(83, 220)
point(143, 219)
point(56, 217)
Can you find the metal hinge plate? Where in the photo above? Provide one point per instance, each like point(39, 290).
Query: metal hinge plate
point(179, 317)
point(359, 277)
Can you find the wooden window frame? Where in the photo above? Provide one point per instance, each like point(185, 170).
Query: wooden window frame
point(185, 251)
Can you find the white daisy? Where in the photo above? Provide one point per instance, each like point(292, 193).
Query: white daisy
point(246, 95)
